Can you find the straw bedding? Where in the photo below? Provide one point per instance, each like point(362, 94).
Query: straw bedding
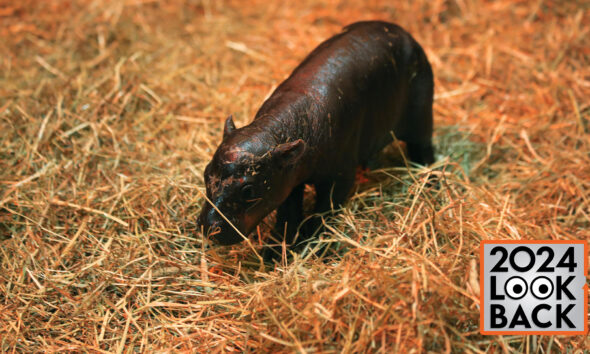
point(109, 111)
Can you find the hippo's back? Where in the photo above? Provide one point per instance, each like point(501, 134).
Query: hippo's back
point(350, 92)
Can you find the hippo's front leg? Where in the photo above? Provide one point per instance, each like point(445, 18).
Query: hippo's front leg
point(289, 216)
point(330, 195)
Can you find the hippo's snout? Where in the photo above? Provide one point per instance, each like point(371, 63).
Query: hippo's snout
point(216, 228)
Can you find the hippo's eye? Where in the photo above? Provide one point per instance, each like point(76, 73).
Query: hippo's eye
point(247, 192)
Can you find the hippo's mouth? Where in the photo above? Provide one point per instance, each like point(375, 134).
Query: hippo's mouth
point(226, 235)
point(220, 231)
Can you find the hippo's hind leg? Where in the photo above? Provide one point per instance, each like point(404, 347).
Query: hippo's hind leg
point(289, 216)
point(418, 120)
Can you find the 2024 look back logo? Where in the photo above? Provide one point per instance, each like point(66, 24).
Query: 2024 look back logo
point(533, 287)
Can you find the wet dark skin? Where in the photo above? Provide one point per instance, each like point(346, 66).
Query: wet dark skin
point(335, 112)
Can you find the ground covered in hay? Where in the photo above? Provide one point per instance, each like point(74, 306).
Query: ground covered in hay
point(109, 111)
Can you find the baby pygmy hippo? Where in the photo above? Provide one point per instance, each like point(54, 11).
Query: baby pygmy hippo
point(335, 112)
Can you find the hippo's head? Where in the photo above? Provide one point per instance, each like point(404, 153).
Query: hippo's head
point(248, 177)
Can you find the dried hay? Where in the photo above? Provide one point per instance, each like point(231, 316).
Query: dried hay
point(109, 111)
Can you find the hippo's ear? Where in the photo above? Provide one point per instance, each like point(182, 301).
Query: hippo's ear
point(229, 126)
point(289, 153)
